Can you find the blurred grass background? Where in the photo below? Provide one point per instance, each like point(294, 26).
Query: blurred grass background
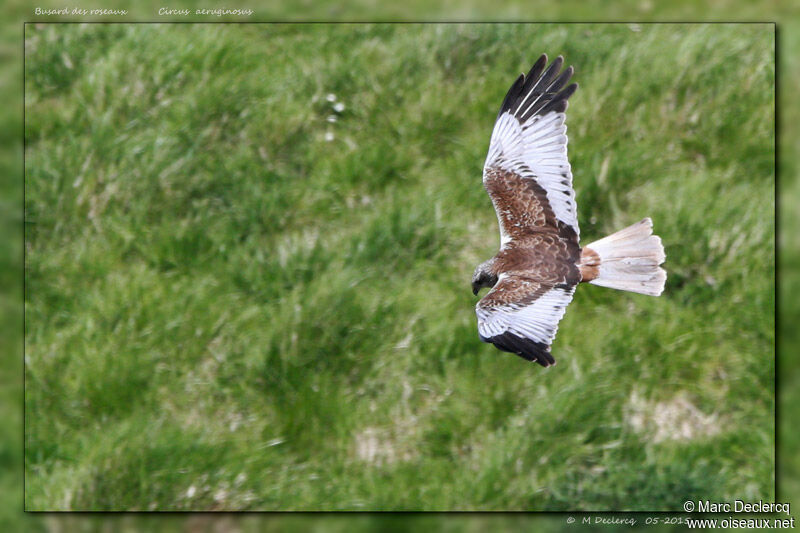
point(248, 260)
point(12, 190)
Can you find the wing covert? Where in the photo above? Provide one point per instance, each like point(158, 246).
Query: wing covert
point(521, 316)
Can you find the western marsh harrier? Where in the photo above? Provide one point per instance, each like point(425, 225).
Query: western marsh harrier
point(540, 262)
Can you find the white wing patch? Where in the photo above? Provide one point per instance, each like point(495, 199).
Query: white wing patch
point(537, 150)
point(537, 321)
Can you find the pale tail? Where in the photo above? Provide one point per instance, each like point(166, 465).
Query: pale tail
point(630, 259)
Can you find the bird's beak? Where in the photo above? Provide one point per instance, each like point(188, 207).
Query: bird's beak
point(475, 289)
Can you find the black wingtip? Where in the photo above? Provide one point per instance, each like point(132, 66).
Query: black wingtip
point(512, 94)
point(562, 79)
point(557, 63)
point(528, 349)
point(540, 91)
point(537, 68)
point(560, 102)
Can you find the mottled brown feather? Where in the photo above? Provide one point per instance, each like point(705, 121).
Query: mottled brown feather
point(541, 246)
point(522, 206)
point(514, 290)
point(545, 257)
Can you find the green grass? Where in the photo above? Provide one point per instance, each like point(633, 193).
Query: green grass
point(226, 310)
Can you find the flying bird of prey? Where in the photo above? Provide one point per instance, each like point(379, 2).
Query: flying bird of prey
point(540, 262)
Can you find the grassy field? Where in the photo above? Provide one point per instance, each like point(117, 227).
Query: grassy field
point(244, 295)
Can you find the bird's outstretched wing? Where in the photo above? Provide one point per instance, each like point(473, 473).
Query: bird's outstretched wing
point(521, 316)
point(526, 173)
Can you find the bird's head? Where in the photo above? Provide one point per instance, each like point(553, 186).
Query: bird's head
point(483, 276)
